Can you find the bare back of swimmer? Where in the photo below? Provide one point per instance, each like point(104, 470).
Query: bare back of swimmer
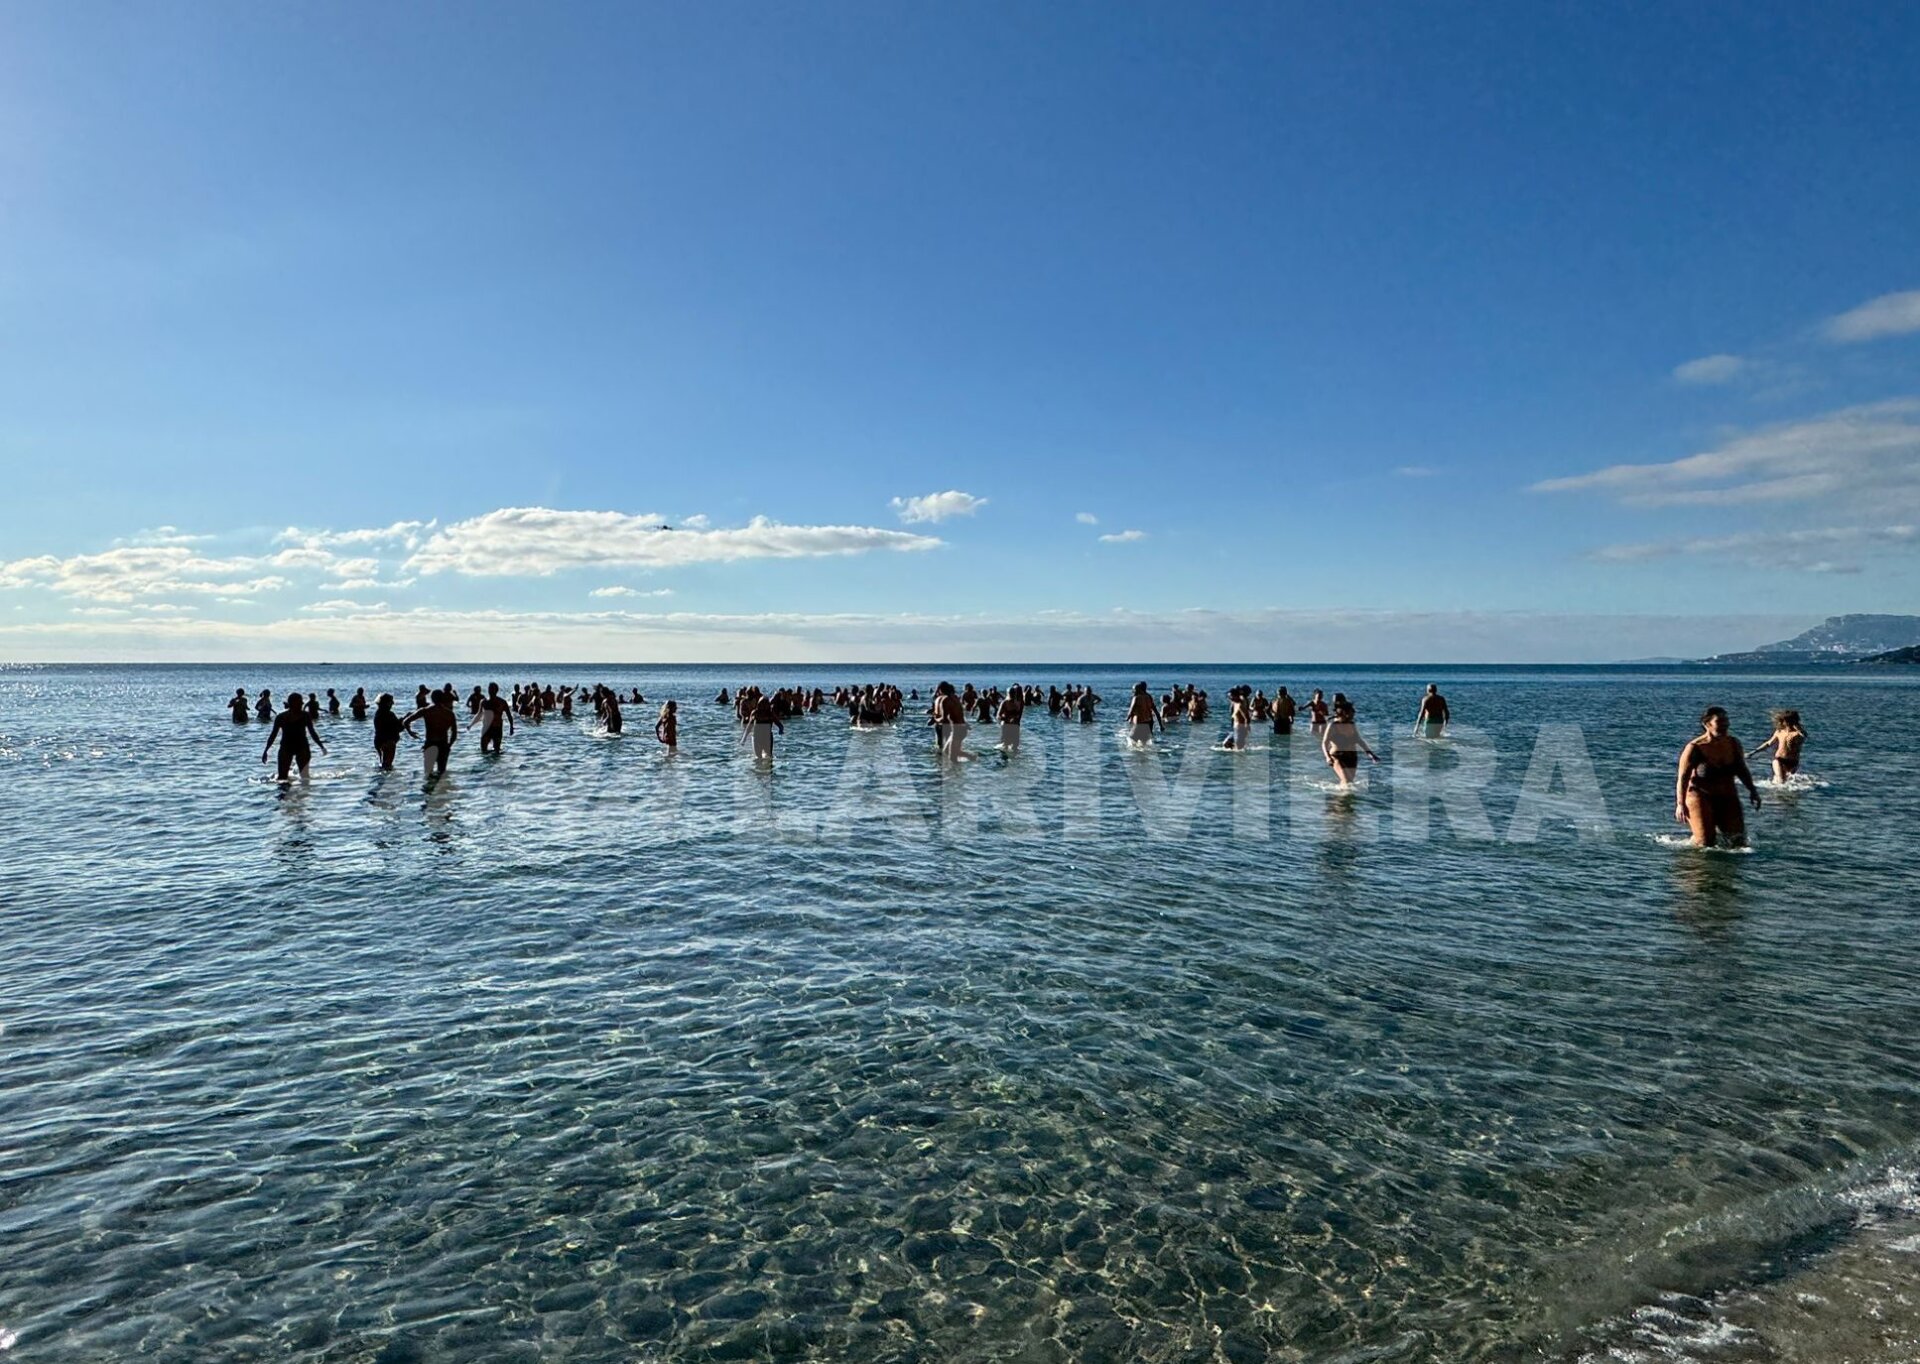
point(442, 726)
point(495, 715)
point(293, 727)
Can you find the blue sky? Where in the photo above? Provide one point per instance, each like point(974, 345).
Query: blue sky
point(1307, 304)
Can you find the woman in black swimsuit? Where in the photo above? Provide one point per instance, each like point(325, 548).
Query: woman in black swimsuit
point(1704, 797)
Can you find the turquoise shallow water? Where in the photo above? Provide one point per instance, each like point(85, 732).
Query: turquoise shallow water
point(587, 1054)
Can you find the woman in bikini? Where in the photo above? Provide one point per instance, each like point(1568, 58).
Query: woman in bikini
point(1343, 745)
point(1788, 737)
point(1704, 797)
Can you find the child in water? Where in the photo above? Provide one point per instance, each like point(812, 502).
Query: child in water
point(1788, 737)
point(667, 728)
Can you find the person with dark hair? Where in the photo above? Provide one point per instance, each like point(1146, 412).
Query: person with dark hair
point(761, 723)
point(493, 714)
point(443, 727)
point(292, 727)
point(1704, 797)
point(1011, 709)
point(1141, 716)
point(1284, 709)
point(386, 731)
point(1342, 743)
point(950, 722)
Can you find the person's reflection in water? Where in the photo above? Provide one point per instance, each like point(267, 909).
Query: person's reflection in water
point(384, 798)
point(1706, 892)
point(292, 799)
point(437, 805)
point(1342, 834)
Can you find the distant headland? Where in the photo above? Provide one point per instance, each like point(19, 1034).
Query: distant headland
point(1839, 640)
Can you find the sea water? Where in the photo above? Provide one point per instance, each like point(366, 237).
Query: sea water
point(589, 1052)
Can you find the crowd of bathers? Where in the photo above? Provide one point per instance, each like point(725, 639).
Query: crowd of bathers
point(1705, 796)
point(950, 713)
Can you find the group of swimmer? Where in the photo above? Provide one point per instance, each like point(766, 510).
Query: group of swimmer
point(1706, 799)
point(952, 712)
point(492, 714)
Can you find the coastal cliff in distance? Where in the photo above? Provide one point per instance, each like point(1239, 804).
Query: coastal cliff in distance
point(1910, 654)
point(1841, 639)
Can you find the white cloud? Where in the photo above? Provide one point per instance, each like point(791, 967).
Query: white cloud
point(1887, 315)
point(538, 541)
point(162, 535)
point(305, 557)
point(937, 506)
point(630, 592)
point(134, 573)
point(698, 521)
point(1710, 369)
point(1865, 458)
point(340, 604)
point(367, 584)
point(1086, 518)
point(402, 534)
point(1123, 537)
point(1807, 551)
